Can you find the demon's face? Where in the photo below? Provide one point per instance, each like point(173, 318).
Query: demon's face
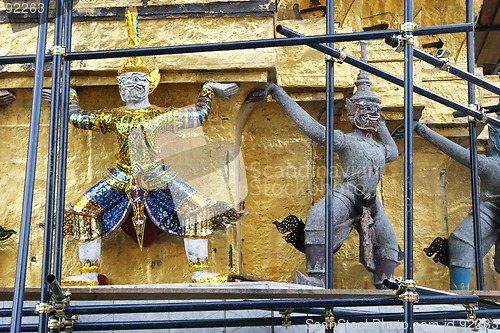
point(134, 86)
point(366, 116)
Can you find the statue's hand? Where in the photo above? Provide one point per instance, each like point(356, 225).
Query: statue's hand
point(47, 94)
point(399, 132)
point(417, 125)
point(259, 95)
point(223, 90)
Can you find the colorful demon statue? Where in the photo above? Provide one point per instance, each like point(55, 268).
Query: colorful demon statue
point(141, 193)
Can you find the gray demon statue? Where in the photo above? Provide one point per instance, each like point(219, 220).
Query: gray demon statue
point(457, 252)
point(355, 203)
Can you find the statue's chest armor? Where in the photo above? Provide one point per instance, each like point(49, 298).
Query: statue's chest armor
point(136, 137)
point(364, 152)
point(363, 160)
point(131, 123)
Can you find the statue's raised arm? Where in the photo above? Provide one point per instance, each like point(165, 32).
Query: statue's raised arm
point(95, 120)
point(195, 115)
point(309, 126)
point(450, 148)
point(391, 149)
point(222, 90)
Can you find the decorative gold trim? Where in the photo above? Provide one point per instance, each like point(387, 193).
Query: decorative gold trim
point(198, 265)
point(221, 278)
point(85, 226)
point(88, 267)
point(69, 283)
point(154, 79)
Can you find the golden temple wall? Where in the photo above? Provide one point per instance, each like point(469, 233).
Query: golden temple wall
point(283, 170)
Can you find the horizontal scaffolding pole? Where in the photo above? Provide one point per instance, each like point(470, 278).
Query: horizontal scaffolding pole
point(27, 311)
point(238, 45)
point(487, 29)
point(264, 304)
point(341, 316)
point(482, 303)
point(171, 324)
point(392, 78)
point(420, 316)
point(180, 307)
point(394, 285)
point(442, 64)
point(485, 109)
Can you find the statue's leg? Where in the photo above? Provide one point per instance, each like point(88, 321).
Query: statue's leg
point(84, 218)
point(384, 269)
point(197, 254)
point(89, 253)
point(460, 277)
point(315, 239)
point(461, 249)
point(314, 247)
point(386, 250)
point(461, 254)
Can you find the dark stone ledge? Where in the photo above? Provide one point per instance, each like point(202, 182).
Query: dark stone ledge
point(212, 9)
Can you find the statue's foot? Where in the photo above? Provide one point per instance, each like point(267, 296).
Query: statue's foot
point(300, 278)
point(84, 279)
point(208, 277)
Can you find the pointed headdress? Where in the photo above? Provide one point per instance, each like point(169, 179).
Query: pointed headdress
point(137, 64)
point(363, 84)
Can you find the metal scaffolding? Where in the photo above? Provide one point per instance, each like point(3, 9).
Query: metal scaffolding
point(54, 311)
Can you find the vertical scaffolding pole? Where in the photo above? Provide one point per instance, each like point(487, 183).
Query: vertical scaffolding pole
point(407, 29)
point(29, 178)
point(330, 19)
point(63, 144)
point(329, 158)
point(57, 54)
point(476, 217)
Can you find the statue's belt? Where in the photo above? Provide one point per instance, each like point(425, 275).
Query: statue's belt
point(156, 178)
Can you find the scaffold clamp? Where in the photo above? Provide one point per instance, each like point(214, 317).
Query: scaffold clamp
point(483, 118)
point(406, 291)
point(340, 59)
point(408, 27)
point(58, 50)
point(471, 315)
point(329, 319)
point(396, 41)
point(285, 318)
point(43, 308)
point(54, 324)
point(446, 65)
point(481, 110)
point(69, 323)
